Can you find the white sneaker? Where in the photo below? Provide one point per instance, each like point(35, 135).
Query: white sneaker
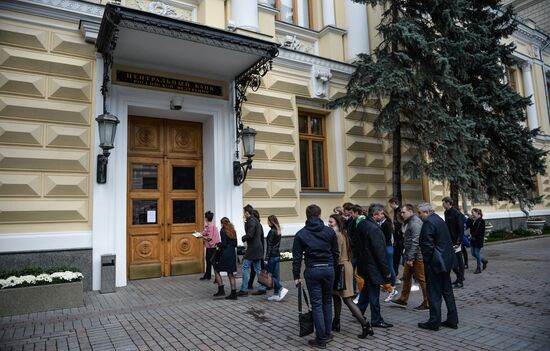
point(273, 297)
point(356, 300)
point(391, 295)
point(282, 294)
point(415, 287)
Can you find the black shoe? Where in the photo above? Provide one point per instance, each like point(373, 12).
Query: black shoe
point(242, 293)
point(336, 325)
point(398, 303)
point(446, 324)
point(205, 278)
point(477, 271)
point(458, 285)
point(367, 330)
point(221, 291)
point(383, 325)
point(485, 264)
point(320, 344)
point(421, 308)
point(232, 296)
point(259, 292)
point(428, 326)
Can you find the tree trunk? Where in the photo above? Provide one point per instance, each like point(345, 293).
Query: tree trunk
point(396, 137)
point(396, 156)
point(454, 194)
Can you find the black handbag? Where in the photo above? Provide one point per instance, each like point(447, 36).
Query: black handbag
point(305, 319)
point(340, 278)
point(216, 257)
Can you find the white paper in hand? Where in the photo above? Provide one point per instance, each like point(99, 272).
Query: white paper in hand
point(197, 235)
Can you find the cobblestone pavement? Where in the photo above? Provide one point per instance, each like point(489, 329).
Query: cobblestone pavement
point(504, 308)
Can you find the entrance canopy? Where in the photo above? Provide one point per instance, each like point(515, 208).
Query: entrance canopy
point(129, 35)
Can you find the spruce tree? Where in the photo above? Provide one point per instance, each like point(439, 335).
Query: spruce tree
point(439, 70)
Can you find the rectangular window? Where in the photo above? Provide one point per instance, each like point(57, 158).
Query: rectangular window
point(511, 78)
point(313, 165)
point(296, 12)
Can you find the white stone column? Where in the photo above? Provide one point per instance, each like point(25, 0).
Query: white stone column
point(358, 29)
point(530, 92)
point(329, 18)
point(244, 14)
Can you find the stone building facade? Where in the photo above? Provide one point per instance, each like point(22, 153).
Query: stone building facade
point(169, 165)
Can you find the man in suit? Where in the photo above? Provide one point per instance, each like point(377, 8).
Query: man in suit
point(455, 222)
point(438, 256)
point(370, 247)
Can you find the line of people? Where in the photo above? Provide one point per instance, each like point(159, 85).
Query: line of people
point(362, 245)
point(221, 254)
point(368, 244)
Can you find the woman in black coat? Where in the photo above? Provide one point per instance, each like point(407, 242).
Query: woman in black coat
point(477, 232)
point(228, 259)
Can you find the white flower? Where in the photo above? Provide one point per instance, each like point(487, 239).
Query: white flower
point(286, 256)
point(14, 281)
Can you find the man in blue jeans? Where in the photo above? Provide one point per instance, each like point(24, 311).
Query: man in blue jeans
point(254, 251)
point(319, 246)
point(372, 264)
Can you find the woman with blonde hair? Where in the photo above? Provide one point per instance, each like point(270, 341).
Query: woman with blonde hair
point(228, 259)
point(273, 257)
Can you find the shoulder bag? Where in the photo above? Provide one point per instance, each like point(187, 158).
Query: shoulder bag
point(305, 319)
point(340, 278)
point(265, 278)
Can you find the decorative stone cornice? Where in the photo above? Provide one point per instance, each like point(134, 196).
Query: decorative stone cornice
point(301, 60)
point(64, 10)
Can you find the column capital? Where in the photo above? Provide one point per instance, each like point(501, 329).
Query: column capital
point(525, 65)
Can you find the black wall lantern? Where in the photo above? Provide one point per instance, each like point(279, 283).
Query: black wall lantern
point(107, 130)
point(249, 143)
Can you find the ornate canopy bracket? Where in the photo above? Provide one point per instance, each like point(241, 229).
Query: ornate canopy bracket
point(107, 48)
point(251, 78)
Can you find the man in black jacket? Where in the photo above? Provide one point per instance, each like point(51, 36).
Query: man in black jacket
point(254, 250)
point(438, 255)
point(319, 246)
point(372, 264)
point(455, 222)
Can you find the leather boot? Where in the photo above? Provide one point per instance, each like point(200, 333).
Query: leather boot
point(221, 291)
point(367, 330)
point(232, 296)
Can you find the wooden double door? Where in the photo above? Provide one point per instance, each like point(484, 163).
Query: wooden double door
point(165, 204)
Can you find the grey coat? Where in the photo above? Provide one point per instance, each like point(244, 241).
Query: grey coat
point(253, 239)
point(412, 235)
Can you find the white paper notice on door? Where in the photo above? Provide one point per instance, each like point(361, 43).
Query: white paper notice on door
point(152, 216)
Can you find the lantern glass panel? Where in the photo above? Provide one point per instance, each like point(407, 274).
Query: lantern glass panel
point(249, 141)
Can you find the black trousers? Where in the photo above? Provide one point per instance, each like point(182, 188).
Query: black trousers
point(439, 288)
point(465, 254)
point(397, 253)
point(458, 268)
point(208, 256)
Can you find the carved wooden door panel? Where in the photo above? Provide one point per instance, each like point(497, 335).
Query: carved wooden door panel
point(164, 198)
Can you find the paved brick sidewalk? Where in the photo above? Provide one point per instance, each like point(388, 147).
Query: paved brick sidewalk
point(505, 308)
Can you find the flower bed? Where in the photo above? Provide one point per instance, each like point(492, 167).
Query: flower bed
point(33, 290)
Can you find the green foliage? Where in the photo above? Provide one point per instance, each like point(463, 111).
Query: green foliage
point(439, 70)
point(35, 271)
